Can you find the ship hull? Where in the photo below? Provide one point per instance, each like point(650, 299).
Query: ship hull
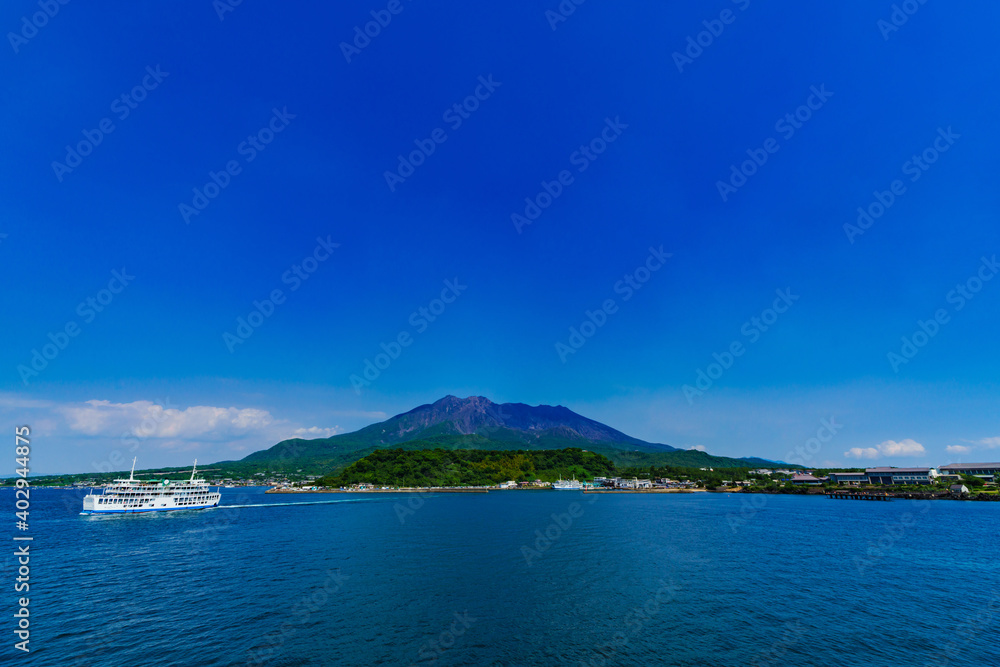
point(151, 509)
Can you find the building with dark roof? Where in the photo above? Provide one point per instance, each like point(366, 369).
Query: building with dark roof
point(901, 475)
point(986, 471)
point(854, 478)
point(807, 479)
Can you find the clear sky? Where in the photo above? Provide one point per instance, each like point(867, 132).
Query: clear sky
point(166, 167)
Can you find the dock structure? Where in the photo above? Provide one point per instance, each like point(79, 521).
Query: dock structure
point(857, 495)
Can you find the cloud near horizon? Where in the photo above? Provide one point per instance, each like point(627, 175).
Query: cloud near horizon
point(907, 447)
point(957, 449)
point(146, 419)
point(317, 432)
point(173, 428)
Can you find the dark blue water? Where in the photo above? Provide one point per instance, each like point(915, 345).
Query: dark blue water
point(464, 579)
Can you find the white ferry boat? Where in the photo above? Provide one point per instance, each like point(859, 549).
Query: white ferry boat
point(126, 496)
point(567, 485)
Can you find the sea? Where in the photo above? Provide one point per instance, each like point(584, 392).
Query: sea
point(508, 578)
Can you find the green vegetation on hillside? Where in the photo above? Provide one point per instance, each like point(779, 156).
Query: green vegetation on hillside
point(468, 467)
point(687, 458)
point(330, 456)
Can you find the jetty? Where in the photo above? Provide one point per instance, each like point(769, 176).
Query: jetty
point(858, 495)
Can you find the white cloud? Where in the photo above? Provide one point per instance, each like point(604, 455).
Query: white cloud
point(957, 449)
point(907, 447)
point(145, 419)
point(700, 448)
point(859, 453)
point(989, 443)
point(317, 432)
point(15, 402)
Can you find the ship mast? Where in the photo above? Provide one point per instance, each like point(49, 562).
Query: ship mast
point(193, 468)
point(131, 475)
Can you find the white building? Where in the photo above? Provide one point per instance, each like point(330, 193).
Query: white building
point(901, 475)
point(985, 471)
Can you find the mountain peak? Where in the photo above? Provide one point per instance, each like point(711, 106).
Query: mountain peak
point(478, 415)
point(476, 422)
point(472, 422)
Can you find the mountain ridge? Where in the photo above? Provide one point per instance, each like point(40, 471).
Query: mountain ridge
point(476, 422)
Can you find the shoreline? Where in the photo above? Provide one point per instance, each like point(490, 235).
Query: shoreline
point(650, 491)
point(432, 489)
point(902, 495)
point(415, 489)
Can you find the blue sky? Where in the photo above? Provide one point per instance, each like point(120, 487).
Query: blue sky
point(594, 110)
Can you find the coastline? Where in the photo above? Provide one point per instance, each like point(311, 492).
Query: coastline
point(415, 489)
point(903, 495)
point(431, 489)
point(615, 491)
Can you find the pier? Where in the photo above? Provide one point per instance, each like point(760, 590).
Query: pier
point(857, 495)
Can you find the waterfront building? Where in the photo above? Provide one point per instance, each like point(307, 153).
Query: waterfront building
point(849, 478)
point(808, 480)
point(901, 475)
point(986, 471)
